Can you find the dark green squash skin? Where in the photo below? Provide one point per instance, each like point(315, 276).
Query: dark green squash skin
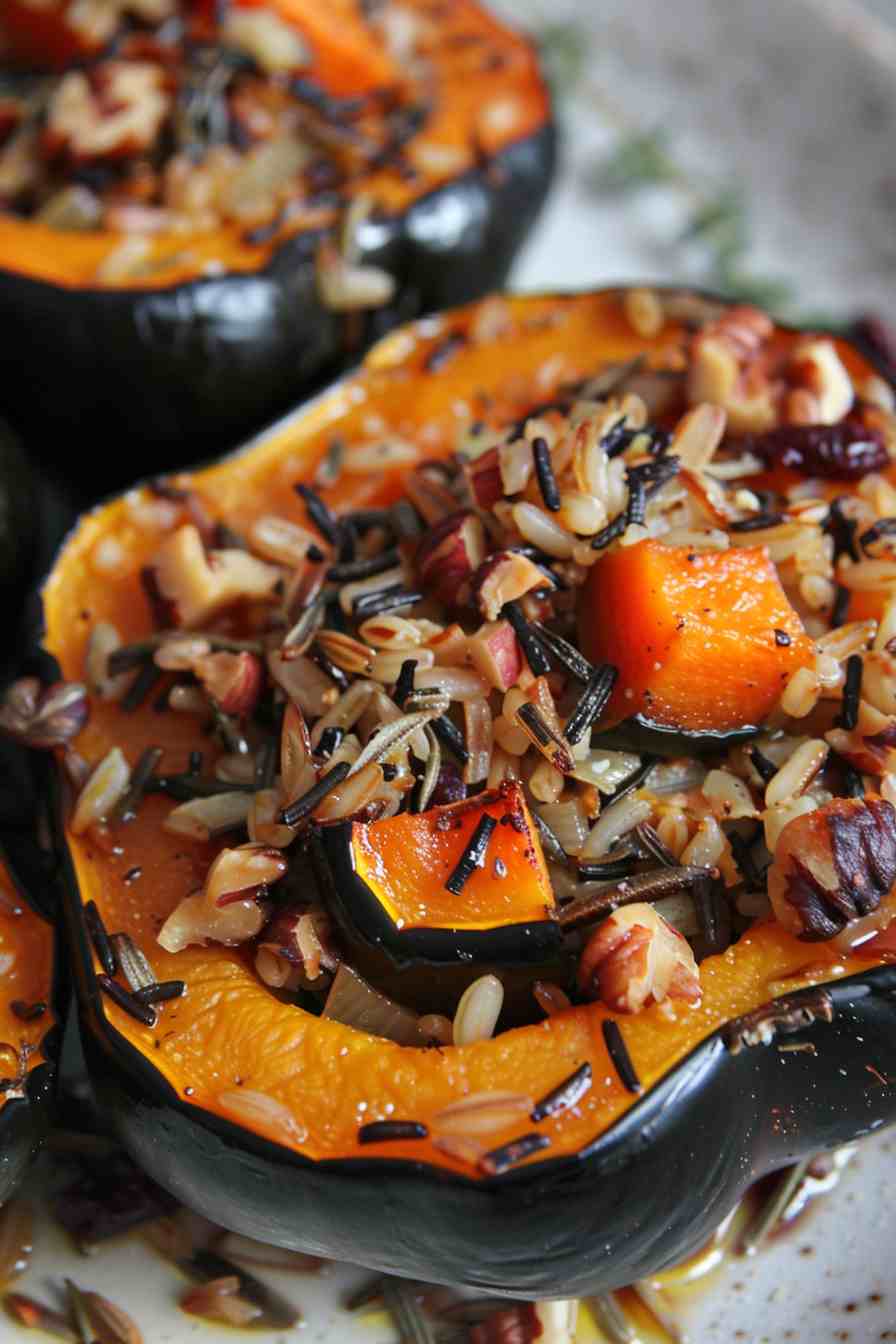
point(643, 1195)
point(153, 377)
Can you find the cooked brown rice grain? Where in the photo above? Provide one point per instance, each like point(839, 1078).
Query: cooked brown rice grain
point(478, 738)
point(569, 822)
point(801, 693)
point(614, 823)
point(847, 639)
point(550, 998)
point(829, 671)
point(482, 1113)
point(347, 710)
point(777, 817)
point(516, 464)
point(394, 632)
point(351, 795)
point(104, 639)
point(271, 968)
point(535, 526)
point(887, 629)
point(260, 1110)
point(458, 683)
point(697, 436)
point(107, 785)
point(281, 541)
point(345, 652)
point(386, 664)
point(644, 311)
point(303, 681)
point(545, 783)
point(581, 514)
point(866, 575)
point(706, 847)
point(478, 1011)
point(672, 828)
point(203, 818)
point(235, 769)
point(728, 796)
point(262, 819)
point(817, 592)
point(461, 1149)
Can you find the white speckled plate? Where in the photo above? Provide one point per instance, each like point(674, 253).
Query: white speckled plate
point(794, 101)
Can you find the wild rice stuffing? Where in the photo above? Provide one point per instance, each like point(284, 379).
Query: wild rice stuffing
point(395, 660)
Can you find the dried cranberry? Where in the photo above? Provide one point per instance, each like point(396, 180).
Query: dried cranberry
point(450, 787)
point(846, 451)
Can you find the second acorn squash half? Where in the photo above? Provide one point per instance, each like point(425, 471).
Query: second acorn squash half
point(249, 1108)
point(213, 333)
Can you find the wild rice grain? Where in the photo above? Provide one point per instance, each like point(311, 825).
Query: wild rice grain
point(102, 943)
point(390, 1131)
point(564, 1095)
point(852, 688)
point(591, 703)
point(618, 1052)
point(304, 806)
point(511, 1154)
point(162, 991)
point(390, 599)
point(478, 1011)
point(320, 514)
point(473, 857)
point(536, 657)
point(141, 1012)
point(547, 483)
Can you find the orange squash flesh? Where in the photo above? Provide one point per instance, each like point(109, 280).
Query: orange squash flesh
point(457, 128)
point(406, 860)
point(229, 1033)
point(26, 968)
point(702, 640)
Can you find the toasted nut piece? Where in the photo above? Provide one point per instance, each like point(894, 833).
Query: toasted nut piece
point(635, 958)
point(304, 938)
point(448, 556)
point(484, 479)
point(197, 586)
point(504, 577)
point(233, 680)
point(833, 865)
point(817, 369)
point(726, 370)
point(117, 112)
point(494, 652)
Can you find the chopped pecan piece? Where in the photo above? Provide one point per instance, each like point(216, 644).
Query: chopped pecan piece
point(504, 577)
point(233, 680)
point(115, 110)
point(448, 556)
point(195, 585)
point(833, 865)
point(635, 958)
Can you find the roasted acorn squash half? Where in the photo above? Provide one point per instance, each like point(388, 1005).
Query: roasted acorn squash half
point(423, 152)
point(612, 1134)
point(28, 1037)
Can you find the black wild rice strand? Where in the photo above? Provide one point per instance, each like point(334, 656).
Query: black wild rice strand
point(228, 730)
point(634, 781)
point(143, 772)
point(535, 655)
point(852, 690)
point(141, 1012)
point(161, 704)
point(315, 554)
point(840, 609)
point(564, 652)
point(568, 1093)
point(320, 514)
point(608, 870)
point(132, 875)
point(842, 530)
point(102, 943)
point(651, 886)
point(304, 806)
point(757, 523)
point(365, 568)
point(591, 703)
point(549, 840)
point(405, 683)
point(28, 1012)
point(547, 482)
point(706, 906)
point(131, 656)
point(648, 839)
point(552, 747)
point(265, 764)
point(329, 669)
point(742, 849)
point(884, 527)
point(450, 736)
point(765, 769)
point(618, 1052)
point(330, 739)
point(473, 856)
point(161, 992)
point(637, 501)
point(194, 763)
point(388, 599)
point(145, 682)
point(618, 437)
point(386, 1131)
point(187, 786)
point(853, 785)
point(511, 1154)
point(601, 540)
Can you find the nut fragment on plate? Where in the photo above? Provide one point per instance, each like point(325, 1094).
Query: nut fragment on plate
point(634, 958)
